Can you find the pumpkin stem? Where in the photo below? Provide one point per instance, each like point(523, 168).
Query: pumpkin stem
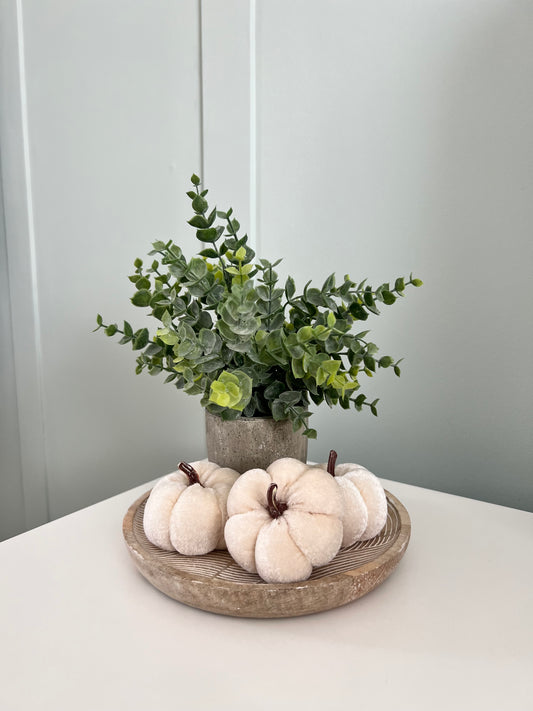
point(191, 473)
point(331, 462)
point(275, 508)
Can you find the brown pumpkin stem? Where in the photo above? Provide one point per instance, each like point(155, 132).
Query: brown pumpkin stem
point(191, 473)
point(275, 508)
point(331, 462)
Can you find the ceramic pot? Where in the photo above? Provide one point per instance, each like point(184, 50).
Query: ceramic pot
point(251, 442)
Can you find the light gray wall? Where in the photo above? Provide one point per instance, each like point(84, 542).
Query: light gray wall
point(397, 136)
point(113, 108)
point(106, 109)
point(368, 138)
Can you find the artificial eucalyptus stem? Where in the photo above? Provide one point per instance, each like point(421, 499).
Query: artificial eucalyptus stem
point(274, 507)
point(331, 462)
point(191, 473)
point(246, 344)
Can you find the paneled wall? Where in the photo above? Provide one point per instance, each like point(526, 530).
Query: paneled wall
point(397, 137)
point(369, 138)
point(108, 124)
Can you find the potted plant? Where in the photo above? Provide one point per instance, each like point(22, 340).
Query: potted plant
point(257, 352)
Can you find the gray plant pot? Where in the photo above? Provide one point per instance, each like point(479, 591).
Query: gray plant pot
point(251, 442)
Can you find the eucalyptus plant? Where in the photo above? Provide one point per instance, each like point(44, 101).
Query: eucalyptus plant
point(246, 344)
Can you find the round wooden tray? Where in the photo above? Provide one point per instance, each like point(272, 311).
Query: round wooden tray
point(214, 582)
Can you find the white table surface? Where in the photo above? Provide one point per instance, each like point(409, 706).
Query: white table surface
point(451, 628)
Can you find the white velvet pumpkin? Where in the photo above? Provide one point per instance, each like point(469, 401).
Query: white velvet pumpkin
point(186, 510)
point(284, 521)
point(364, 501)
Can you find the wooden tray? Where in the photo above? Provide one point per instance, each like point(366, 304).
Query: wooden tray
point(214, 582)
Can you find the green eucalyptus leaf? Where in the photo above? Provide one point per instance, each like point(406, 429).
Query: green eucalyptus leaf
point(290, 397)
point(211, 217)
point(152, 350)
point(140, 339)
point(260, 337)
point(274, 390)
point(368, 297)
point(197, 268)
point(321, 333)
point(175, 251)
point(290, 287)
point(298, 368)
point(279, 410)
point(358, 312)
point(208, 340)
point(228, 415)
point(193, 388)
point(168, 336)
point(305, 334)
point(399, 284)
point(199, 205)
point(370, 363)
point(314, 296)
point(232, 390)
point(329, 284)
point(143, 283)
point(198, 221)
point(208, 235)
point(210, 253)
point(141, 298)
point(359, 401)
point(295, 350)
point(210, 365)
point(277, 321)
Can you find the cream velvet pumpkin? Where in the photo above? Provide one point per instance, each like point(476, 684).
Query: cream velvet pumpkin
point(363, 498)
point(186, 510)
point(284, 520)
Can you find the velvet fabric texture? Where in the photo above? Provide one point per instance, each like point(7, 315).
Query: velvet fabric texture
point(364, 502)
point(307, 533)
point(189, 517)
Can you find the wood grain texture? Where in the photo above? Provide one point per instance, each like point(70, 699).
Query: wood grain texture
point(215, 583)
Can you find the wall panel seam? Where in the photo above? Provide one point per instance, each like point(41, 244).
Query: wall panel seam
point(201, 89)
point(22, 266)
point(254, 222)
point(32, 252)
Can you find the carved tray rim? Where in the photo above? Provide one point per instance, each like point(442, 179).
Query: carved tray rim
point(257, 598)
